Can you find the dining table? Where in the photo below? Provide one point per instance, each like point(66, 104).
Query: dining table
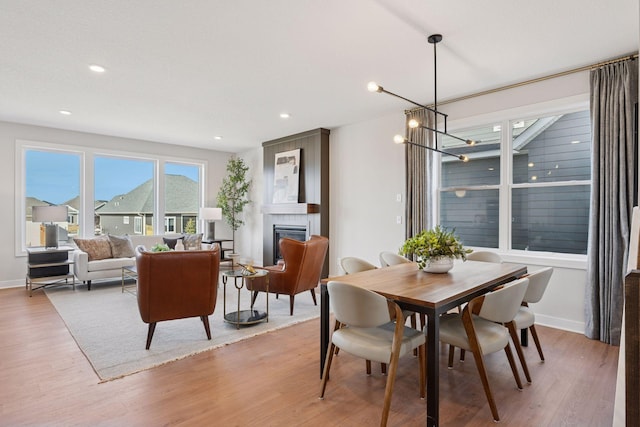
point(431, 294)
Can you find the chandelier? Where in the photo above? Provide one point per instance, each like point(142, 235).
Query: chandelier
point(434, 39)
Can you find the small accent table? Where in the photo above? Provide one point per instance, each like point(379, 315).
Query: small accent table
point(243, 317)
point(130, 272)
point(48, 267)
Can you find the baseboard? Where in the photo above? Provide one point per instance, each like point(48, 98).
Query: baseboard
point(558, 323)
point(12, 283)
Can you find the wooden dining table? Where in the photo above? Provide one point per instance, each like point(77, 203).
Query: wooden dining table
point(429, 293)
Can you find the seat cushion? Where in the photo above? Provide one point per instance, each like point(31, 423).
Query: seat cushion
point(375, 343)
point(110, 264)
point(492, 336)
point(524, 318)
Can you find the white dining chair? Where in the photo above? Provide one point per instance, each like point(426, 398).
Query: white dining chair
point(352, 265)
point(480, 329)
point(485, 256)
point(388, 258)
point(364, 328)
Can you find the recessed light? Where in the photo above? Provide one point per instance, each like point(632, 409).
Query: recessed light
point(284, 115)
point(217, 138)
point(575, 142)
point(97, 68)
point(534, 178)
point(491, 169)
point(531, 164)
point(65, 112)
point(497, 128)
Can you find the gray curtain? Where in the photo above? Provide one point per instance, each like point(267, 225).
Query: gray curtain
point(419, 171)
point(613, 95)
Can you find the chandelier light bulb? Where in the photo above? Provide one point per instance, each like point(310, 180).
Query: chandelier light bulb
point(464, 158)
point(413, 123)
point(471, 142)
point(399, 139)
point(374, 87)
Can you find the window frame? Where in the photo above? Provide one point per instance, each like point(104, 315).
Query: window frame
point(505, 118)
point(86, 185)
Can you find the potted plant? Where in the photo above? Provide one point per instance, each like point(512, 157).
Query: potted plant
point(435, 249)
point(232, 197)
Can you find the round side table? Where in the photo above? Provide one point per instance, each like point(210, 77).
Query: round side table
point(243, 317)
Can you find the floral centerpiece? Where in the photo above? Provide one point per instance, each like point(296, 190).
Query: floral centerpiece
point(434, 244)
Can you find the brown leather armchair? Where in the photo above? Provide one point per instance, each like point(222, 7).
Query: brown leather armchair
point(177, 284)
point(300, 272)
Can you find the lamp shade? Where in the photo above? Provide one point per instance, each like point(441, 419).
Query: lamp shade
point(49, 213)
point(210, 214)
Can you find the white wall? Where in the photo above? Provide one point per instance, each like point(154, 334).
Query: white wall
point(14, 267)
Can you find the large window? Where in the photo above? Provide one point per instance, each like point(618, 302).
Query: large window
point(51, 178)
point(118, 193)
point(123, 188)
point(182, 199)
point(540, 204)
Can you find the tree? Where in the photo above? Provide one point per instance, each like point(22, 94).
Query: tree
point(232, 197)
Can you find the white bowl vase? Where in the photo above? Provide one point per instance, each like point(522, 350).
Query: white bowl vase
point(439, 265)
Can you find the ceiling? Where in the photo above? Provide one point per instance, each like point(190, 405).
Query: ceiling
point(183, 72)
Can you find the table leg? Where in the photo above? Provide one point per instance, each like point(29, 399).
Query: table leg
point(324, 325)
point(238, 312)
point(433, 375)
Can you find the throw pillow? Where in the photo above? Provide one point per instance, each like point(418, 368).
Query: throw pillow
point(121, 246)
point(192, 241)
point(97, 248)
point(171, 242)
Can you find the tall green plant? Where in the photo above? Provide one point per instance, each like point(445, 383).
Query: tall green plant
point(232, 197)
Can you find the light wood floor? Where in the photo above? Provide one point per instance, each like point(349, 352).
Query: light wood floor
point(273, 380)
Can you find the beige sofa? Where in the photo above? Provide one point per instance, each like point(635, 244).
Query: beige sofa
point(111, 268)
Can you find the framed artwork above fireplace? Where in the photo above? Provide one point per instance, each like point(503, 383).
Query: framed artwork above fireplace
point(286, 179)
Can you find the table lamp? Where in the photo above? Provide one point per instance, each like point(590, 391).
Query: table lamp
point(49, 214)
point(211, 215)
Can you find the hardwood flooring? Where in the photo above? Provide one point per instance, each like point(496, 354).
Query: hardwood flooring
point(273, 380)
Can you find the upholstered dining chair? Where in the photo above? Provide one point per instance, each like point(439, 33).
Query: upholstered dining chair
point(486, 256)
point(364, 328)
point(300, 271)
point(352, 265)
point(388, 258)
point(176, 285)
point(480, 329)
point(525, 317)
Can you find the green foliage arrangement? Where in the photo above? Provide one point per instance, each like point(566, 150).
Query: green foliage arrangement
point(232, 197)
point(160, 247)
point(434, 243)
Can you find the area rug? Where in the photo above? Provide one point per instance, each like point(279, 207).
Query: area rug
point(106, 324)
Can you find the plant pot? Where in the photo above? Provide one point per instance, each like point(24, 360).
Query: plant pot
point(439, 265)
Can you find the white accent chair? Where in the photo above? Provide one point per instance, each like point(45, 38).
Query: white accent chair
point(485, 256)
point(364, 328)
point(352, 265)
point(388, 258)
point(479, 329)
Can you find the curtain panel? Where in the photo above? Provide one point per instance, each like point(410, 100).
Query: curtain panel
point(614, 93)
point(419, 182)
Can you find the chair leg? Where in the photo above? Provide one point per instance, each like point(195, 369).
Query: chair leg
point(512, 363)
point(534, 334)
point(368, 366)
point(313, 295)
point(152, 328)
point(205, 320)
point(291, 299)
point(383, 368)
point(88, 285)
point(393, 368)
point(477, 356)
point(462, 354)
point(451, 351)
point(327, 366)
point(516, 342)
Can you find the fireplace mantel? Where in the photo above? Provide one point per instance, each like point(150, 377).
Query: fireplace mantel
point(290, 208)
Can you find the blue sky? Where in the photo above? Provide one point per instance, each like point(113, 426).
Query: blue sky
point(55, 177)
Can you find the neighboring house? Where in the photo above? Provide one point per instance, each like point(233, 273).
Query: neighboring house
point(132, 212)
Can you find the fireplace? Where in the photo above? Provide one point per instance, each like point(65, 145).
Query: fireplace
point(296, 232)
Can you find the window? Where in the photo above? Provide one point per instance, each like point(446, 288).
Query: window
point(51, 178)
point(545, 196)
point(181, 194)
point(123, 187)
point(470, 191)
point(169, 224)
point(123, 195)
